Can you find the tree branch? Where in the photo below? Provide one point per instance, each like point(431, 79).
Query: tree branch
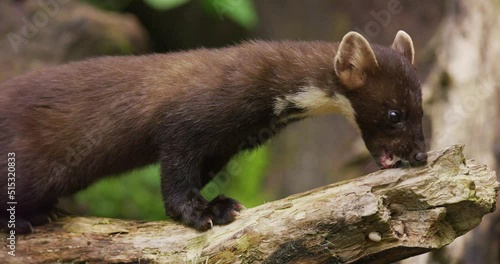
point(386, 216)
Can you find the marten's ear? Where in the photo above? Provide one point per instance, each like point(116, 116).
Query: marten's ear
point(353, 60)
point(404, 45)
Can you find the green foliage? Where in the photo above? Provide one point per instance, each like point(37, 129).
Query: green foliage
point(165, 4)
point(137, 195)
point(242, 178)
point(241, 12)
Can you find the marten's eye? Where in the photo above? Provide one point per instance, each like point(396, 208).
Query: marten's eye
point(394, 116)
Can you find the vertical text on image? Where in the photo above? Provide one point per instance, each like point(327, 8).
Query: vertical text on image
point(11, 202)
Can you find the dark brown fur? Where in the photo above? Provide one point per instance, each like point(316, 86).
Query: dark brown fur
point(192, 111)
point(397, 82)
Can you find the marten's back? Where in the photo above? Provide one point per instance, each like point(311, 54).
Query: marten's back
point(83, 120)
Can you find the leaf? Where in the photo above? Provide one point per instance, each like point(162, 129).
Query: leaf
point(165, 4)
point(240, 11)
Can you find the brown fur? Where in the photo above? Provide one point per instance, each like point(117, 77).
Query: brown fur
point(192, 111)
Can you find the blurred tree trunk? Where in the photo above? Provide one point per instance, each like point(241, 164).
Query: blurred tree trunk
point(37, 34)
point(461, 93)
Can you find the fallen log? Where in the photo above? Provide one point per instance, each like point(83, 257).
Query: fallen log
point(383, 217)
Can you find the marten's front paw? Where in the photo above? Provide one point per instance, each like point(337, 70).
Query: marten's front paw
point(199, 220)
point(203, 216)
point(224, 210)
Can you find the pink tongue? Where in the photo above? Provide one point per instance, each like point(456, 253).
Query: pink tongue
point(387, 160)
point(390, 162)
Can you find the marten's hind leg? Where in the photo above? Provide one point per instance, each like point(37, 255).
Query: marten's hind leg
point(30, 202)
point(24, 222)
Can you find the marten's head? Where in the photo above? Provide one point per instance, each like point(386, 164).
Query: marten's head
point(383, 89)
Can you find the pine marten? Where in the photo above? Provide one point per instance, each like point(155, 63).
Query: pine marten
point(63, 128)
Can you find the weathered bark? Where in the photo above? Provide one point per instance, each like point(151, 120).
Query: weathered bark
point(461, 96)
point(386, 216)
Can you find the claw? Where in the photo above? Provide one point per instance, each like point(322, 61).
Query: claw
point(240, 207)
point(235, 213)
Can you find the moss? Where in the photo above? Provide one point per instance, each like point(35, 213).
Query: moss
point(243, 243)
point(245, 249)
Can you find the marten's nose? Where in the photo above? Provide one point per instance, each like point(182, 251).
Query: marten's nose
point(418, 158)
